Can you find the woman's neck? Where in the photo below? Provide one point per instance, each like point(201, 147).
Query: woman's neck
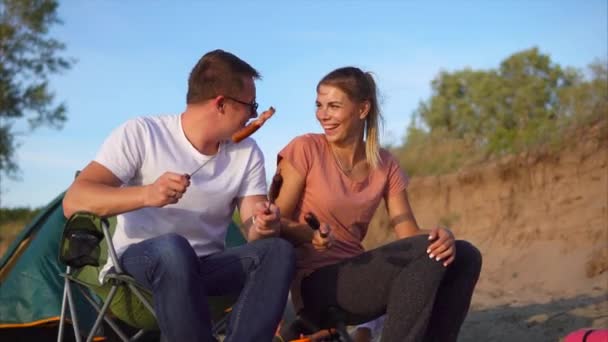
point(348, 153)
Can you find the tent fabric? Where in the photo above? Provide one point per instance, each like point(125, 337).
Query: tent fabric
point(24, 237)
point(31, 287)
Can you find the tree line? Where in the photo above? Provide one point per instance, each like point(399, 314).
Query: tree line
point(21, 214)
point(526, 102)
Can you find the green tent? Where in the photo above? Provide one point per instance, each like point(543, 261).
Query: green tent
point(31, 286)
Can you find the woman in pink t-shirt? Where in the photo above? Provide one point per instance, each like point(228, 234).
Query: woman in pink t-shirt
point(423, 281)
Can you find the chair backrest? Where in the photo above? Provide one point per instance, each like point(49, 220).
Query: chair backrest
point(83, 229)
point(84, 249)
point(80, 243)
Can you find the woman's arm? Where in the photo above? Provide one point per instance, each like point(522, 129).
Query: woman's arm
point(401, 215)
point(289, 196)
point(287, 201)
point(442, 246)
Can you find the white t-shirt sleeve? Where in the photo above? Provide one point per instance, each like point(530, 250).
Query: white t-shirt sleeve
point(122, 151)
point(254, 182)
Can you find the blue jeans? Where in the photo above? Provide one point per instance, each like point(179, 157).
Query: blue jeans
point(260, 272)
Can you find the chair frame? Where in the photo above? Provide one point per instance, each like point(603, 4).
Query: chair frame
point(119, 279)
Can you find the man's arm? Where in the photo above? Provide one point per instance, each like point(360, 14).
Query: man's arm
point(98, 190)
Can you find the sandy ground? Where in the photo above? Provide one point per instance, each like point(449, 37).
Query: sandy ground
point(530, 301)
point(549, 321)
point(541, 223)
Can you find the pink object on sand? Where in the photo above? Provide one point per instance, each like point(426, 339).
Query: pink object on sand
point(587, 335)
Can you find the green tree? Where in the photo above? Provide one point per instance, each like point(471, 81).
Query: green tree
point(462, 103)
point(528, 101)
point(499, 109)
point(587, 100)
point(28, 56)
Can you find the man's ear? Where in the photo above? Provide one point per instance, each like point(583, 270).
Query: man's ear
point(364, 109)
point(219, 102)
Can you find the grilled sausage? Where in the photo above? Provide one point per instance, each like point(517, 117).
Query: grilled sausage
point(252, 126)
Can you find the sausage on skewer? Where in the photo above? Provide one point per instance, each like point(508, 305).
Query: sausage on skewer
point(275, 188)
point(252, 126)
point(313, 222)
point(244, 133)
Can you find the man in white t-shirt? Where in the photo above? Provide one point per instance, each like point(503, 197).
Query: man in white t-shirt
point(172, 221)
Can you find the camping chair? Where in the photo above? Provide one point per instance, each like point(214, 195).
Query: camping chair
point(83, 251)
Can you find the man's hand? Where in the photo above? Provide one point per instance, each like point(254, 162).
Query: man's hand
point(167, 189)
point(442, 247)
point(322, 238)
point(266, 220)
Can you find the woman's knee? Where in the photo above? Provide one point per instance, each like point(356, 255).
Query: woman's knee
point(468, 256)
point(410, 250)
point(414, 245)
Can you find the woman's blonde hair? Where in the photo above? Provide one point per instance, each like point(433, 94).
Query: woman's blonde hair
point(361, 86)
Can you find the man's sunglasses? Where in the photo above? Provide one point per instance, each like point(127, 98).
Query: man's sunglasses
point(253, 106)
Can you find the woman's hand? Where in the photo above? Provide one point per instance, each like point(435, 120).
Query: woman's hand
point(443, 245)
point(322, 238)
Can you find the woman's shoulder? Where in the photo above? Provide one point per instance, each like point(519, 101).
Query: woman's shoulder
point(387, 158)
point(391, 167)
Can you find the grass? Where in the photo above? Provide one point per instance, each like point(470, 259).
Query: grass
point(436, 153)
point(8, 233)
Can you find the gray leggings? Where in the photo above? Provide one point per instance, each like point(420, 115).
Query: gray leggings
point(423, 300)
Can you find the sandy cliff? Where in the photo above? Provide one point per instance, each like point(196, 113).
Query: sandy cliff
point(541, 222)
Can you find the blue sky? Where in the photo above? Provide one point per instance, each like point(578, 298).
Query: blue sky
point(133, 58)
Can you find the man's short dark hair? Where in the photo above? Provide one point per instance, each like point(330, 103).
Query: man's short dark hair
point(218, 73)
